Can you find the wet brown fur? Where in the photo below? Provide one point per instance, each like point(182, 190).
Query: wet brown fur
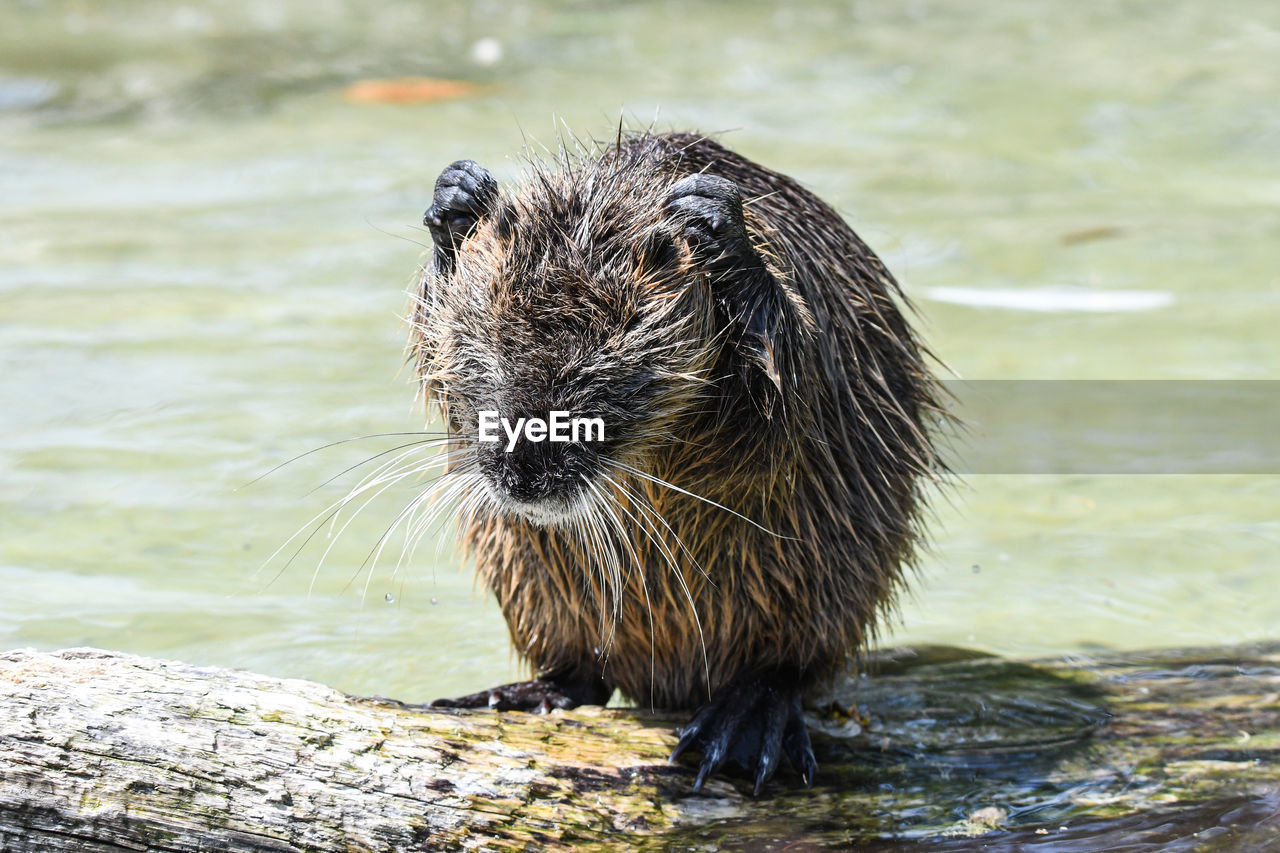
point(566, 297)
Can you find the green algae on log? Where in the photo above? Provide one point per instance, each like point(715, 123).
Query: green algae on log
point(955, 751)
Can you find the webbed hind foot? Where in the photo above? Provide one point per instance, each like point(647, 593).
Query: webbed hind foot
point(752, 721)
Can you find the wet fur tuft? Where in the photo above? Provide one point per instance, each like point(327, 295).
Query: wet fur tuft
point(735, 519)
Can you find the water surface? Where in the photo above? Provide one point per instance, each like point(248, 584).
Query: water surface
point(204, 249)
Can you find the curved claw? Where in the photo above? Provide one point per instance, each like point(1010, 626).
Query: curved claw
point(770, 750)
point(692, 731)
point(799, 750)
point(751, 722)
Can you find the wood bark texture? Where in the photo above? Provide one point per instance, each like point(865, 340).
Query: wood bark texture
point(934, 749)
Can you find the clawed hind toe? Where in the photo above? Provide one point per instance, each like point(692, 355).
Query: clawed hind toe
point(752, 723)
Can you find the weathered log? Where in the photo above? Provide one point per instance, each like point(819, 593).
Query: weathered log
point(103, 751)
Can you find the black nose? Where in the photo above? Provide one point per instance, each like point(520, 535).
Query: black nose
point(534, 470)
point(527, 471)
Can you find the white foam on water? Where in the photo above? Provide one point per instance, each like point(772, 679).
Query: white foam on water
point(1052, 298)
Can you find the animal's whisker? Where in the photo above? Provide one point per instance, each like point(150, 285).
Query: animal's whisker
point(386, 481)
point(673, 566)
point(432, 442)
point(615, 574)
point(467, 478)
point(431, 504)
point(657, 481)
point(290, 461)
point(644, 504)
point(334, 537)
point(598, 555)
point(371, 559)
point(330, 513)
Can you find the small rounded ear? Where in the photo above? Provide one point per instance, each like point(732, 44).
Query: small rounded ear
point(708, 212)
point(465, 193)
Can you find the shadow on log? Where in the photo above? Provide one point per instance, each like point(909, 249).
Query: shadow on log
point(955, 751)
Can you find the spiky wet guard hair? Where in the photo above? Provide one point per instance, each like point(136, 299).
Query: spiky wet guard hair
point(750, 509)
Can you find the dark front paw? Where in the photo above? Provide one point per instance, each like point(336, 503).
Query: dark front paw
point(708, 210)
point(539, 695)
point(752, 721)
point(465, 191)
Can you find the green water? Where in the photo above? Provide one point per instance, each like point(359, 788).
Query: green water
point(204, 250)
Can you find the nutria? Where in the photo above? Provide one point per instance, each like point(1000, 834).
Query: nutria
point(754, 504)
